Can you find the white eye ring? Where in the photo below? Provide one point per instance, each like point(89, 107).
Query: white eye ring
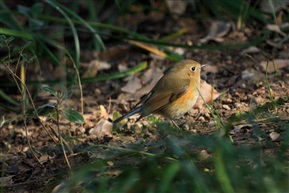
point(193, 68)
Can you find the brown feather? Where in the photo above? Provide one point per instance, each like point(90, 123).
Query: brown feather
point(157, 101)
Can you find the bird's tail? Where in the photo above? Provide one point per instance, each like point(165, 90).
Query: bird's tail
point(132, 112)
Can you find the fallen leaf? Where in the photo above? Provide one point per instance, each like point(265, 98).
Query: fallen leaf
point(250, 50)
point(122, 67)
point(226, 107)
point(208, 93)
point(115, 53)
point(211, 68)
point(251, 77)
point(176, 7)
point(102, 128)
point(147, 75)
point(278, 63)
point(132, 85)
point(103, 65)
point(149, 48)
point(150, 79)
point(274, 44)
point(103, 112)
point(274, 136)
point(6, 181)
point(273, 6)
point(94, 66)
point(44, 158)
point(239, 128)
point(91, 71)
point(275, 28)
point(110, 163)
point(204, 154)
point(112, 172)
point(217, 31)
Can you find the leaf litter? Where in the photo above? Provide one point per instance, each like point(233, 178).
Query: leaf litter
point(232, 83)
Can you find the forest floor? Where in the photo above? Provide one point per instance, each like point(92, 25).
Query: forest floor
point(252, 104)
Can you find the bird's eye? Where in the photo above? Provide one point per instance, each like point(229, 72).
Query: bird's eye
point(193, 68)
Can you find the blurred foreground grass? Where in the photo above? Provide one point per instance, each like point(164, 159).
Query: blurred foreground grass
point(184, 163)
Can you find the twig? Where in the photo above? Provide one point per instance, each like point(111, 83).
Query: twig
point(60, 138)
point(63, 140)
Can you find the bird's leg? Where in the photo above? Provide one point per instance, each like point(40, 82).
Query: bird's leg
point(174, 124)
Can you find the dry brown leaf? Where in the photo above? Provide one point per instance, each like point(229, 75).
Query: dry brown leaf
point(275, 28)
point(102, 128)
point(150, 82)
point(149, 48)
point(91, 70)
point(274, 44)
point(274, 136)
point(132, 85)
point(176, 7)
point(94, 66)
point(211, 68)
point(250, 50)
point(217, 31)
point(266, 5)
point(122, 67)
point(44, 158)
point(103, 65)
point(6, 181)
point(151, 77)
point(103, 112)
point(114, 53)
point(208, 93)
point(278, 63)
point(147, 75)
point(204, 155)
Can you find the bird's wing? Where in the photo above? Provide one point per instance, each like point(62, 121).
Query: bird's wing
point(157, 101)
point(143, 99)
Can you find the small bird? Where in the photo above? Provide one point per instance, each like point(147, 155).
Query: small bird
point(173, 95)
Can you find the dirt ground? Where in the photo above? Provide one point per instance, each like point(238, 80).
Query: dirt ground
point(238, 75)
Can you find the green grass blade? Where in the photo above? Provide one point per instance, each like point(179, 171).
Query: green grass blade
point(110, 76)
point(16, 33)
point(168, 176)
point(40, 40)
point(8, 18)
point(222, 175)
point(72, 27)
point(85, 23)
point(117, 75)
point(7, 98)
point(208, 47)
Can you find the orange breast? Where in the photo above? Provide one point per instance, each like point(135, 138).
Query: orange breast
point(183, 104)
